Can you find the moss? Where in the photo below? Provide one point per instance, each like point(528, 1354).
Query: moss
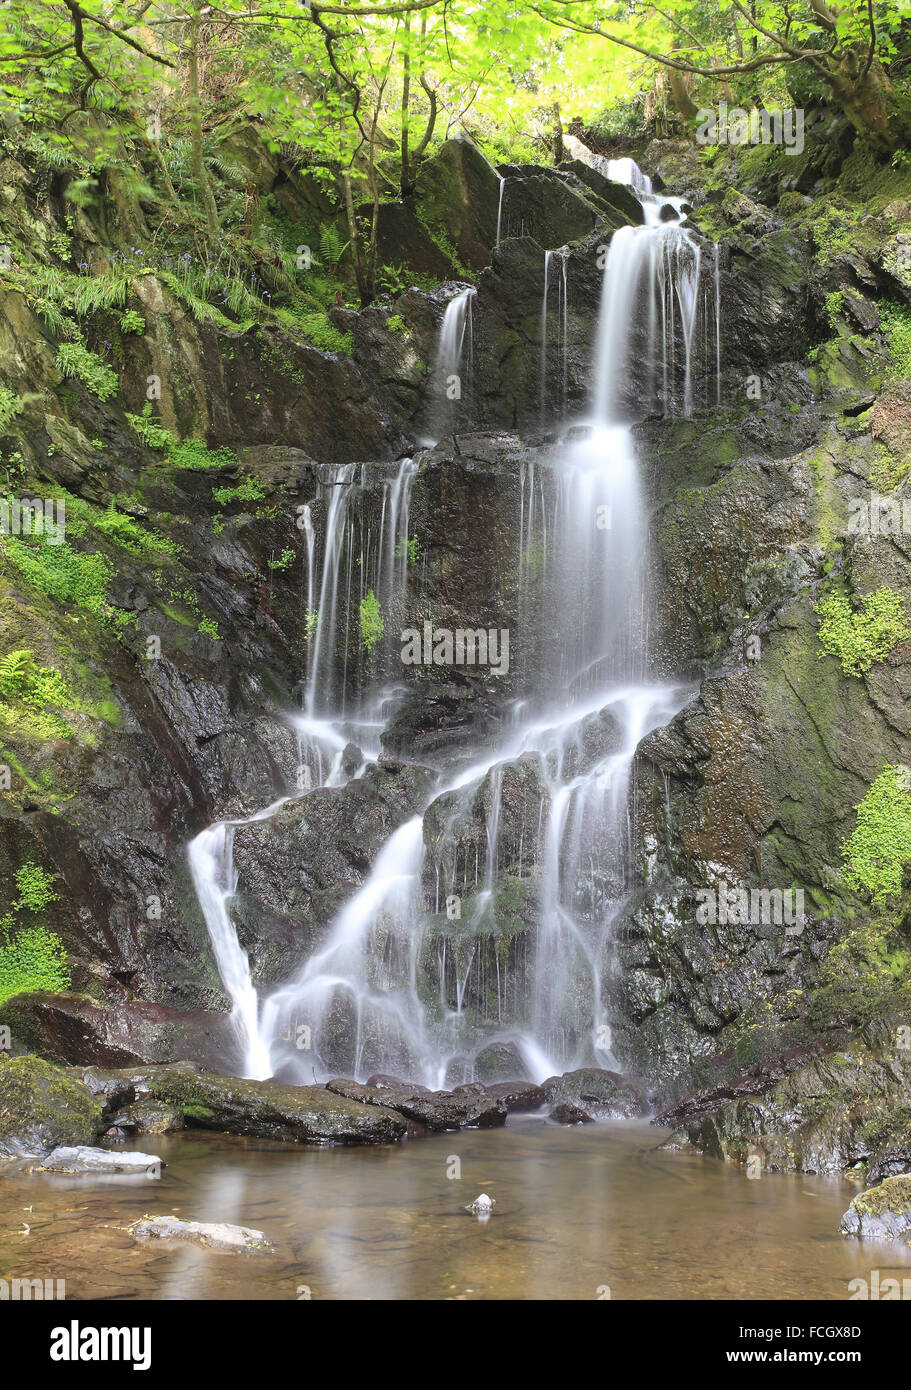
point(864, 635)
point(880, 846)
point(893, 1194)
point(42, 1107)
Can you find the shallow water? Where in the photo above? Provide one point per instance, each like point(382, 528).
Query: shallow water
point(577, 1210)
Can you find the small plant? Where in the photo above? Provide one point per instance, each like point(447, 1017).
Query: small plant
point(410, 549)
point(311, 622)
point(36, 888)
point(210, 628)
point(859, 637)
point(132, 322)
point(250, 490)
point(372, 625)
point(75, 360)
point(284, 561)
point(396, 324)
point(10, 407)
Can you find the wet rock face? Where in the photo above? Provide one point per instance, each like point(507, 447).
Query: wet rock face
point(815, 1116)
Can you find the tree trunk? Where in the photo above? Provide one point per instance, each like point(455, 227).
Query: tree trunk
point(198, 164)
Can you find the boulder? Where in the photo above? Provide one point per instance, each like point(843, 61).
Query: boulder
point(82, 1159)
point(880, 1213)
point(499, 1061)
point(214, 1235)
point(42, 1108)
point(148, 1117)
point(517, 1095)
point(568, 1114)
point(605, 1093)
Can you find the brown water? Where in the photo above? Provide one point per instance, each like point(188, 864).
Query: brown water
point(577, 1210)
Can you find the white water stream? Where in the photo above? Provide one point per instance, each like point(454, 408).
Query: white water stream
point(362, 996)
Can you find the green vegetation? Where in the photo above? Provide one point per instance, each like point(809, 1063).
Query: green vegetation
point(250, 490)
point(186, 453)
point(410, 549)
point(896, 321)
point(372, 625)
point(75, 360)
point(32, 956)
point(864, 635)
point(879, 847)
point(10, 407)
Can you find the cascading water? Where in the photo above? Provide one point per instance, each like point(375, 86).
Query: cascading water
point(399, 983)
point(449, 381)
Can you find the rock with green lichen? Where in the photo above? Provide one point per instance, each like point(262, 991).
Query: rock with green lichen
point(880, 1213)
point(43, 1108)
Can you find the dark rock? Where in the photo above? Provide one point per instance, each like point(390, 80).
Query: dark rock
point(75, 1031)
point(518, 1096)
point(148, 1117)
point(380, 1082)
point(435, 1110)
point(568, 1114)
point(499, 1061)
point(607, 1094)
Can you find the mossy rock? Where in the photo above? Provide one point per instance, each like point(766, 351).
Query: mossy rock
point(41, 1108)
point(881, 1213)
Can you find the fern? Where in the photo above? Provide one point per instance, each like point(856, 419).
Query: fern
point(15, 672)
point(331, 246)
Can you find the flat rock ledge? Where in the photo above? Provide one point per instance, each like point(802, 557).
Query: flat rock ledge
point(213, 1235)
point(881, 1213)
point(82, 1160)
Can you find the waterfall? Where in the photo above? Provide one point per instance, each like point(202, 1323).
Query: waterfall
point(395, 985)
point(562, 330)
point(500, 208)
point(447, 381)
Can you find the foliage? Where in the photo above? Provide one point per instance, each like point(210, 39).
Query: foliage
point(372, 625)
point(250, 490)
point(209, 627)
point(409, 549)
point(132, 322)
point(33, 959)
point(67, 575)
point(879, 847)
point(75, 360)
point(861, 636)
point(10, 407)
point(896, 321)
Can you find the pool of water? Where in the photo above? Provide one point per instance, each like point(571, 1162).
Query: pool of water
point(579, 1211)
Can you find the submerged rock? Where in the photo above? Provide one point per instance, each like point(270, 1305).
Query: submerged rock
point(104, 1161)
point(42, 1108)
point(214, 1235)
point(881, 1213)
